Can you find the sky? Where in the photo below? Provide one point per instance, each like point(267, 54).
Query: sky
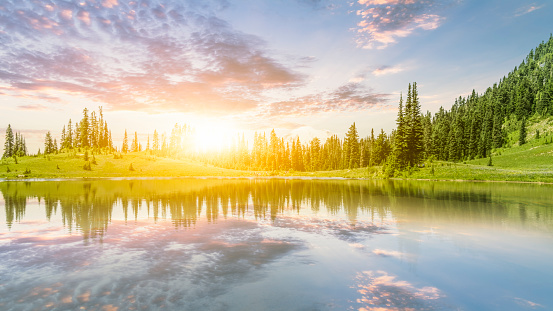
point(301, 67)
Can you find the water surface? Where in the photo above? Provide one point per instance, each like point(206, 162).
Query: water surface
point(273, 244)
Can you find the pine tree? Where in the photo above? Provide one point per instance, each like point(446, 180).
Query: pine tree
point(315, 150)
point(63, 138)
point(155, 145)
point(69, 136)
point(415, 131)
point(273, 151)
point(125, 147)
point(48, 143)
point(352, 139)
point(101, 130)
point(9, 143)
point(134, 145)
point(84, 129)
point(522, 132)
point(93, 131)
point(110, 142)
point(400, 137)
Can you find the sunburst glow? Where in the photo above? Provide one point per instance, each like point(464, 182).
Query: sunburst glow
point(213, 136)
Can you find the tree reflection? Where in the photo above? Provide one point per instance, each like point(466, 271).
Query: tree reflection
point(87, 206)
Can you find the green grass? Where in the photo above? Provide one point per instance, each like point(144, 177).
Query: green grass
point(64, 165)
point(531, 162)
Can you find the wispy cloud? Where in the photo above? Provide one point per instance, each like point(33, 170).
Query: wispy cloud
point(140, 55)
point(384, 21)
point(385, 70)
point(32, 107)
point(528, 9)
point(348, 97)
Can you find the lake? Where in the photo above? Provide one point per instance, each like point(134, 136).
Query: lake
point(275, 244)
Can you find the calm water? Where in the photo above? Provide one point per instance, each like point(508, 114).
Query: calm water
point(273, 244)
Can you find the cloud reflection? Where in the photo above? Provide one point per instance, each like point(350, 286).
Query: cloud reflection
point(131, 262)
point(382, 291)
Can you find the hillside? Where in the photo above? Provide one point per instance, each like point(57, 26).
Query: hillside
point(65, 165)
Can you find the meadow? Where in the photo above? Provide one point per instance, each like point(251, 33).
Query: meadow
point(531, 162)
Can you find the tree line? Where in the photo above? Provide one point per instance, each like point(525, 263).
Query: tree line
point(273, 153)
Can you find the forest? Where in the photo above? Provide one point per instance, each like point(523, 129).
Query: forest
point(472, 128)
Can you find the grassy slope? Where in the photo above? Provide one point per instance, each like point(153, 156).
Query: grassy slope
point(532, 162)
point(144, 166)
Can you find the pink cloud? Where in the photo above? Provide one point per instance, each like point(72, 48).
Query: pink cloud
point(109, 3)
point(384, 21)
point(156, 61)
point(385, 70)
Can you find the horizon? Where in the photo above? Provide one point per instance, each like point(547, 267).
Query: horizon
point(312, 66)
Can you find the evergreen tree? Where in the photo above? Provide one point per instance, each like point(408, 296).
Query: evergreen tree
point(69, 136)
point(125, 147)
point(134, 145)
point(155, 145)
point(48, 143)
point(315, 153)
point(352, 139)
point(522, 132)
point(93, 131)
point(63, 138)
point(273, 151)
point(400, 136)
point(414, 131)
point(84, 129)
point(107, 136)
point(77, 136)
point(9, 143)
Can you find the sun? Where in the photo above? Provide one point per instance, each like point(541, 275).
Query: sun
point(213, 136)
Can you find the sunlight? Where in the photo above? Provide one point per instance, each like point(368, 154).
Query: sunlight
point(213, 136)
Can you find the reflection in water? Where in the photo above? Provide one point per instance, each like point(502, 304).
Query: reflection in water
point(380, 291)
point(274, 244)
point(88, 205)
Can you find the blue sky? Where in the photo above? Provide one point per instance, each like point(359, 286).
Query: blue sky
point(308, 67)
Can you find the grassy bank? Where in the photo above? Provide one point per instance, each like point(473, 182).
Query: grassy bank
point(138, 164)
point(532, 162)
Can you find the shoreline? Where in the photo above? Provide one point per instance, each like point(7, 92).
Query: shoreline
point(263, 177)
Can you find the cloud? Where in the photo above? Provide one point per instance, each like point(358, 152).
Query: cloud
point(138, 55)
point(528, 9)
point(32, 107)
point(385, 70)
point(348, 97)
point(318, 4)
point(384, 21)
point(382, 291)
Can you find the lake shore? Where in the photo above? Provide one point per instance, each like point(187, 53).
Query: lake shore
point(141, 165)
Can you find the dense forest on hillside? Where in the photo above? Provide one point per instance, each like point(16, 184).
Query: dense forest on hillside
point(473, 127)
point(478, 123)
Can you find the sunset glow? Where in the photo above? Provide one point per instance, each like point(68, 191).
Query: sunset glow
point(294, 64)
point(213, 136)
